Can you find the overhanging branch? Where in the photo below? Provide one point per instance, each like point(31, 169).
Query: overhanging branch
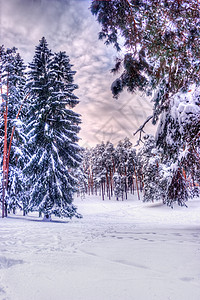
point(141, 130)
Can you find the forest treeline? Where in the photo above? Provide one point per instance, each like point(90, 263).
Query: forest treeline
point(159, 54)
point(115, 172)
point(41, 160)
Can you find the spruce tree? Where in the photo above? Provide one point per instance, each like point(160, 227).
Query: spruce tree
point(52, 128)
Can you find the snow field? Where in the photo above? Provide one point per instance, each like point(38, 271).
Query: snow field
point(120, 250)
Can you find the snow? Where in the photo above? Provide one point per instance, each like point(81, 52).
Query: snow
point(119, 250)
point(186, 104)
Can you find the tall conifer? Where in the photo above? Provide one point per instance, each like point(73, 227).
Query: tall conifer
point(52, 129)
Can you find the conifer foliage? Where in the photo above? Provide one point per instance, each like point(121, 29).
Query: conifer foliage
point(162, 58)
point(116, 172)
point(162, 42)
point(38, 133)
point(110, 171)
point(52, 128)
point(12, 94)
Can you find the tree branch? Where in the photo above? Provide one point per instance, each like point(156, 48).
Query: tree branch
point(140, 130)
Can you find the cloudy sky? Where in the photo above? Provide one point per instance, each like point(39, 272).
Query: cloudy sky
point(69, 26)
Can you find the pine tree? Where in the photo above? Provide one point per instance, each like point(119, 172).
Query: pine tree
point(12, 81)
point(163, 180)
point(162, 58)
point(110, 167)
point(118, 186)
point(162, 42)
point(132, 176)
point(86, 163)
point(150, 158)
point(52, 128)
point(182, 145)
point(81, 174)
point(99, 168)
point(111, 171)
point(121, 154)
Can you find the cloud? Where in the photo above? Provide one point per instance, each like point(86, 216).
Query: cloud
point(69, 26)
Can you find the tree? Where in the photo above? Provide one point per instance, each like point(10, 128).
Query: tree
point(162, 42)
point(52, 128)
point(110, 162)
point(118, 186)
point(132, 166)
point(12, 85)
point(150, 160)
point(183, 141)
point(121, 153)
point(162, 58)
point(108, 169)
point(99, 168)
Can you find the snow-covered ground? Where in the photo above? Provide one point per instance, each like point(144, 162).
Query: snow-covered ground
point(119, 251)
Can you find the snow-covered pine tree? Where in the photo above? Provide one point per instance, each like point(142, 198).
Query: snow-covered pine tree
point(132, 177)
point(99, 167)
point(162, 58)
point(150, 157)
point(110, 167)
point(162, 42)
point(179, 138)
point(12, 81)
point(121, 157)
point(190, 154)
point(81, 175)
point(52, 129)
point(118, 186)
point(111, 170)
point(86, 165)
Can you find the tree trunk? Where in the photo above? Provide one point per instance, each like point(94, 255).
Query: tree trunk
point(6, 209)
point(102, 191)
point(4, 160)
point(136, 181)
point(47, 218)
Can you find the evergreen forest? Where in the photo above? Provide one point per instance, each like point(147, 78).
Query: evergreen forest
point(42, 164)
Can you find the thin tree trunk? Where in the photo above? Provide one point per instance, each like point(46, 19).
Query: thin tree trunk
point(5, 155)
point(91, 179)
point(6, 209)
point(89, 183)
point(133, 186)
point(136, 181)
point(111, 183)
point(126, 196)
point(102, 191)
point(11, 138)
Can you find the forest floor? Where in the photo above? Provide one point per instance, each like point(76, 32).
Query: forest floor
point(126, 250)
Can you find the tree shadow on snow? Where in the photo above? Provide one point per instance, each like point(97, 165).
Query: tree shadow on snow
point(39, 220)
point(155, 204)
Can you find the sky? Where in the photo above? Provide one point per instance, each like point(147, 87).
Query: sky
point(68, 25)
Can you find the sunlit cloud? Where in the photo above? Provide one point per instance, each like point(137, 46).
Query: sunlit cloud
point(69, 26)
